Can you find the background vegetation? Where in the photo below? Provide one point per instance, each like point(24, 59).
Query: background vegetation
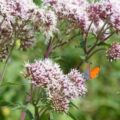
point(102, 101)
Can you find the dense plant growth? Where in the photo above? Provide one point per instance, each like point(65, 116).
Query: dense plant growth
point(56, 23)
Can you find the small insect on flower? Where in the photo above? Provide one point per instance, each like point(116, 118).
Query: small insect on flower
point(91, 73)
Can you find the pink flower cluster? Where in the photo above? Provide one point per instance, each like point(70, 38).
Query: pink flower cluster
point(72, 11)
point(18, 20)
point(81, 14)
point(60, 88)
point(78, 81)
point(46, 19)
point(107, 11)
point(60, 103)
point(113, 53)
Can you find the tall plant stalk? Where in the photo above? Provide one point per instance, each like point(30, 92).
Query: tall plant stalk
point(5, 64)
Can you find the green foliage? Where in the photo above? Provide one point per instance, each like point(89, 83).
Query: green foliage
point(38, 2)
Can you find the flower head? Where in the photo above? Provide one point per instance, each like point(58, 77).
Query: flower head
point(72, 11)
point(60, 103)
point(78, 81)
point(107, 11)
point(113, 53)
point(46, 19)
point(60, 88)
point(18, 20)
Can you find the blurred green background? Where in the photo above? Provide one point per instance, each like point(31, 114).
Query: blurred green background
point(102, 101)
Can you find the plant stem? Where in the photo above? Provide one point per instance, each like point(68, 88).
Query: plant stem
point(43, 112)
point(49, 117)
point(85, 41)
point(97, 39)
point(78, 67)
point(46, 55)
point(106, 38)
point(36, 113)
point(27, 100)
point(62, 44)
point(48, 49)
point(5, 65)
point(6, 62)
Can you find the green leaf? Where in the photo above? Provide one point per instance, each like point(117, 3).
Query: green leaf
point(81, 42)
point(4, 84)
point(89, 1)
point(8, 84)
point(96, 1)
point(71, 103)
point(72, 116)
point(58, 58)
point(16, 108)
point(23, 107)
point(51, 116)
point(82, 57)
point(18, 44)
point(88, 46)
point(105, 44)
point(29, 114)
point(37, 2)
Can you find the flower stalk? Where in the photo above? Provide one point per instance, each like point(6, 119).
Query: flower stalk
point(5, 65)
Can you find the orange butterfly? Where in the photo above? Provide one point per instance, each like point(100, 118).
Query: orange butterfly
point(94, 72)
point(91, 73)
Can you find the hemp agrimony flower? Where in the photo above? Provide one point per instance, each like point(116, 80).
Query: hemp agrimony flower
point(72, 11)
point(19, 20)
point(78, 81)
point(59, 87)
point(107, 11)
point(113, 53)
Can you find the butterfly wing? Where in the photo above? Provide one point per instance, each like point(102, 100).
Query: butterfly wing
point(94, 72)
point(86, 74)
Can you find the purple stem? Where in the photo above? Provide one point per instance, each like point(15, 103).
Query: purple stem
point(85, 40)
point(46, 55)
point(78, 67)
point(48, 51)
point(27, 100)
point(62, 44)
